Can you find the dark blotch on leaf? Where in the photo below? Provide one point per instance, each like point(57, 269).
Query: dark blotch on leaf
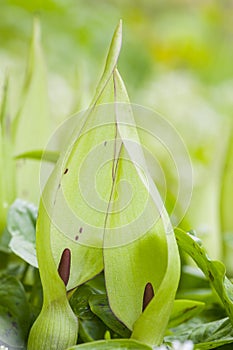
point(66, 171)
point(76, 238)
point(211, 276)
point(80, 230)
point(189, 309)
point(64, 266)
point(14, 325)
point(148, 295)
point(105, 143)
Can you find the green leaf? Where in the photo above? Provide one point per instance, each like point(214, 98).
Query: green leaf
point(204, 335)
point(7, 164)
point(21, 224)
point(183, 310)
point(48, 156)
point(98, 284)
point(4, 242)
point(15, 315)
point(226, 202)
point(11, 333)
point(79, 302)
point(100, 307)
point(91, 329)
point(214, 271)
point(32, 122)
point(192, 277)
point(206, 295)
point(87, 304)
point(3, 110)
point(124, 344)
point(90, 326)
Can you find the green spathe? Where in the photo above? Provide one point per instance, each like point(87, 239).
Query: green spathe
point(57, 326)
point(86, 208)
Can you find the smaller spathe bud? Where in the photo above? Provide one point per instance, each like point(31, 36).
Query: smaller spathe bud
point(55, 328)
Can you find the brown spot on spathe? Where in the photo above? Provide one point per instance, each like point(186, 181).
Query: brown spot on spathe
point(148, 295)
point(64, 266)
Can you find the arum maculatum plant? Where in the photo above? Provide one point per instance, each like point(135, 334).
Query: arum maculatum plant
point(90, 221)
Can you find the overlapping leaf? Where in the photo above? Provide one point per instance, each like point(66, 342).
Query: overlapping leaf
point(204, 335)
point(214, 271)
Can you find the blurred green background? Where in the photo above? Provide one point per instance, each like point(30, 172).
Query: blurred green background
point(191, 39)
point(176, 58)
